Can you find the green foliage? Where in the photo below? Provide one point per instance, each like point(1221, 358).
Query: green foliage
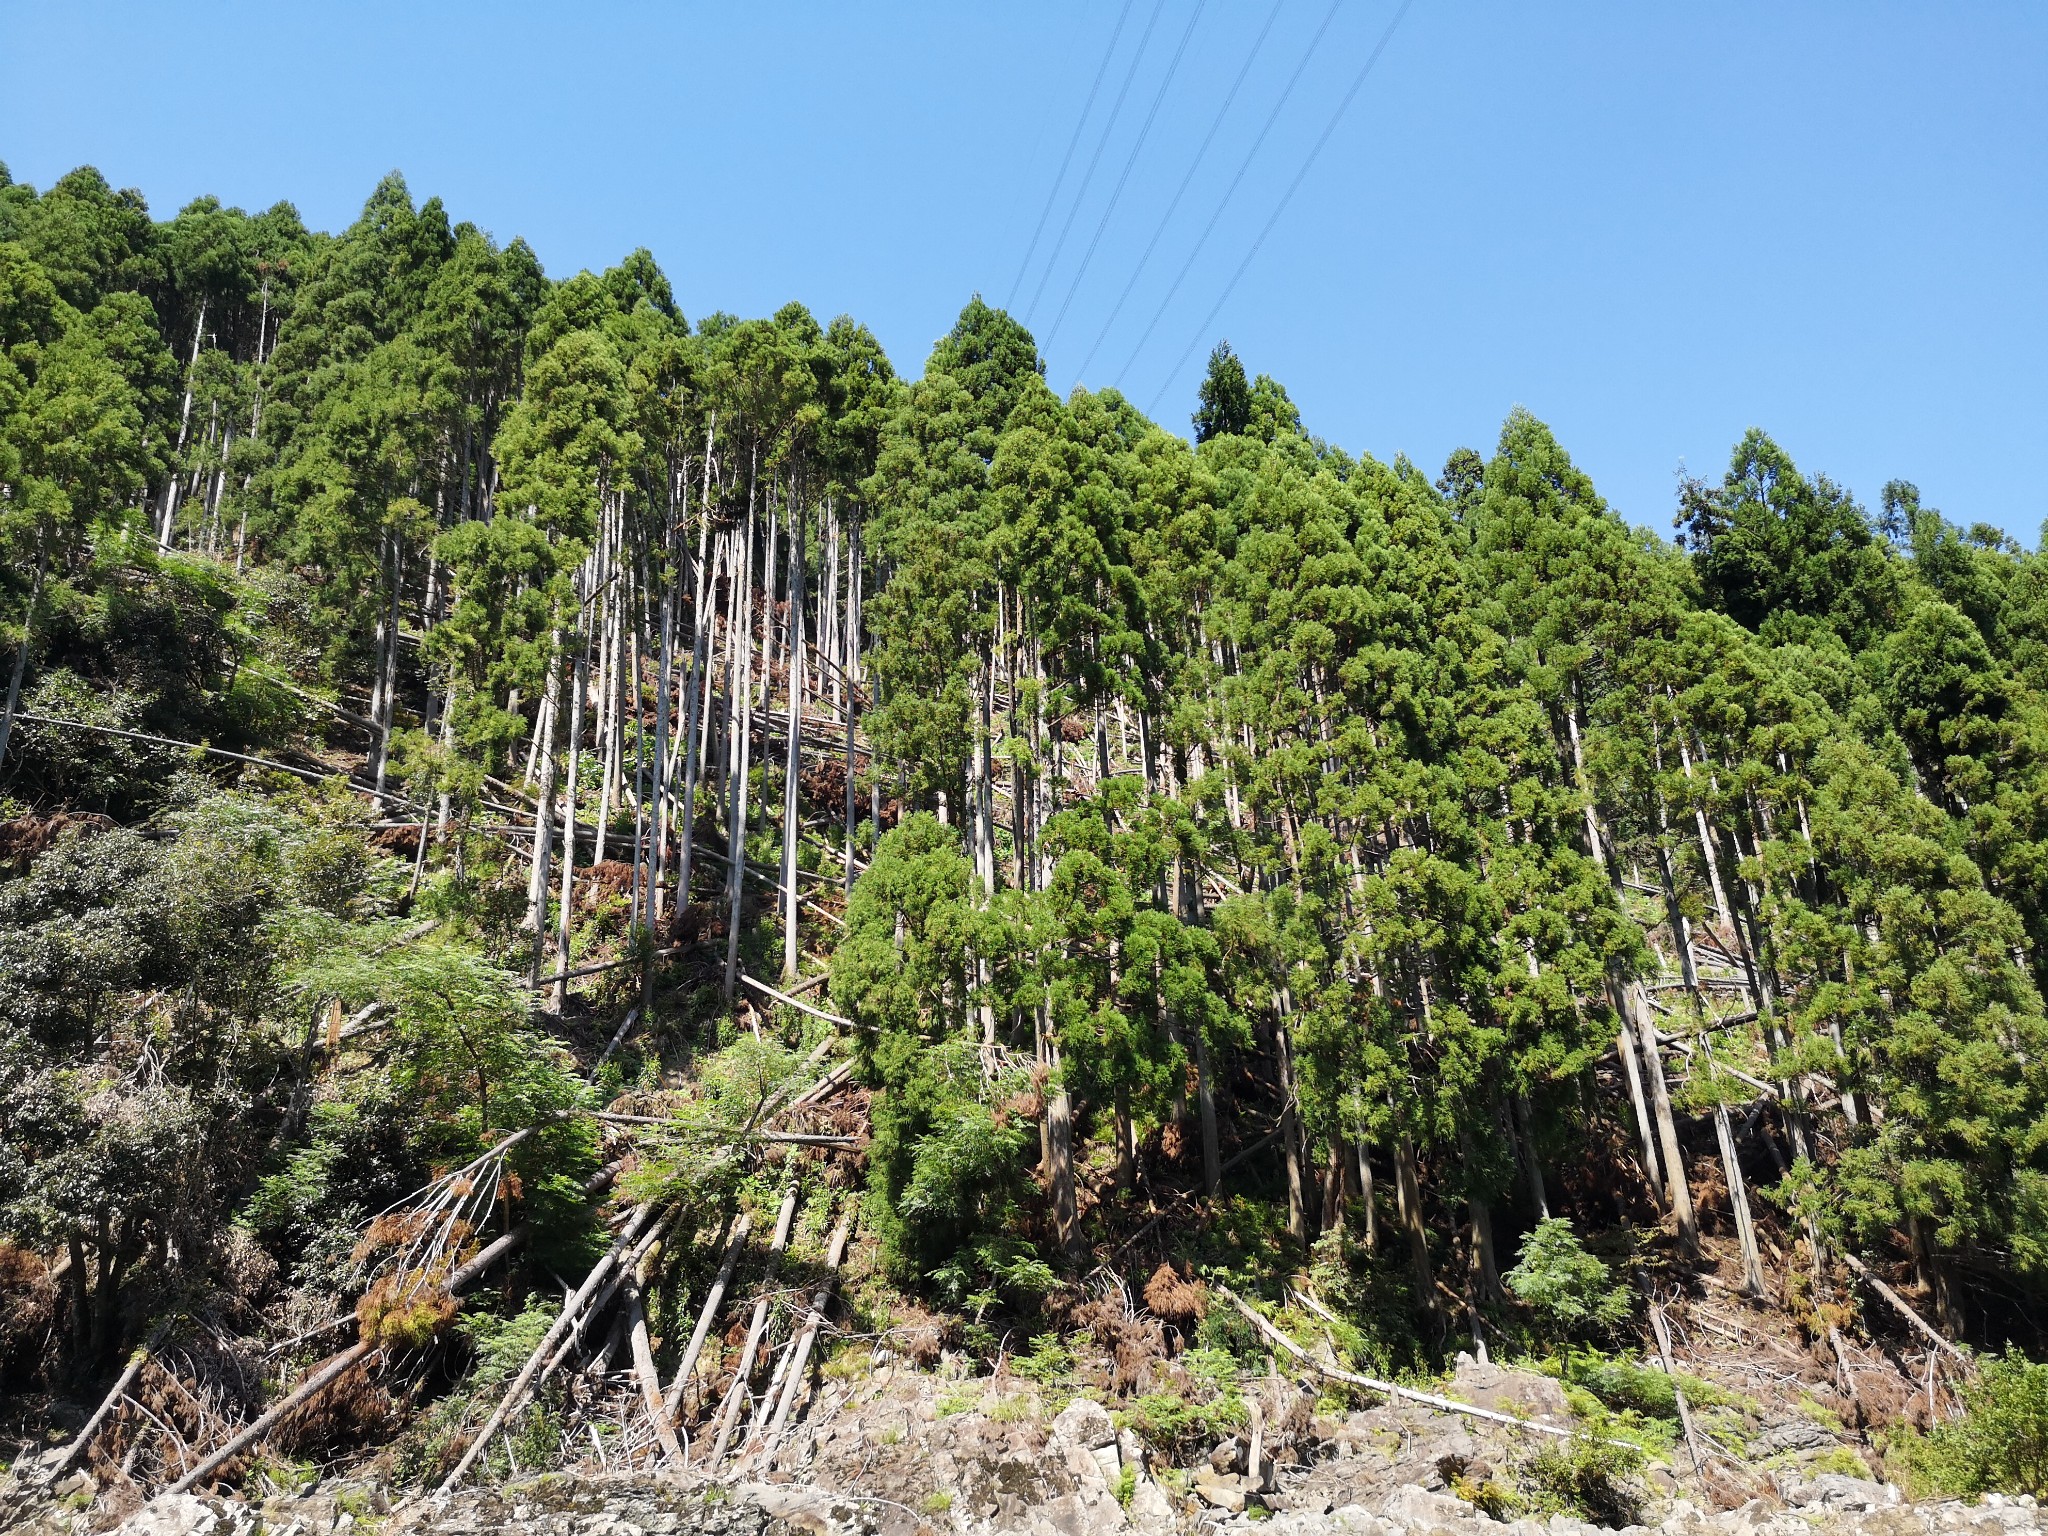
point(1569, 1290)
point(1590, 1477)
point(1998, 1444)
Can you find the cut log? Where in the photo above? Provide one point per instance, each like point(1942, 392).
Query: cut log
point(821, 1298)
point(1905, 1310)
point(1385, 1388)
point(515, 1395)
point(706, 1316)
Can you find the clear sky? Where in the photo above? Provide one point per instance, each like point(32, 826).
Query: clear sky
point(1652, 224)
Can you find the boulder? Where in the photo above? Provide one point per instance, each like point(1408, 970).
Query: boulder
point(1791, 1435)
point(1524, 1394)
point(184, 1514)
point(1834, 1492)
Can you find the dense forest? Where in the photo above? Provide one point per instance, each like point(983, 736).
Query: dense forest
point(478, 748)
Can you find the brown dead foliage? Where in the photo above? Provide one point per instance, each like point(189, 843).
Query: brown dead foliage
point(28, 1306)
point(25, 838)
point(1177, 1299)
point(350, 1412)
point(920, 1336)
point(407, 1309)
point(823, 781)
point(1132, 1343)
point(402, 841)
point(614, 877)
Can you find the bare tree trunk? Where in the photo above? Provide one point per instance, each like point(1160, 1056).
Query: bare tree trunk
point(1738, 1190)
point(537, 880)
point(170, 510)
point(1290, 1120)
point(581, 682)
point(740, 722)
point(851, 647)
point(1205, 1104)
point(387, 678)
point(1059, 1122)
point(792, 823)
point(1678, 1190)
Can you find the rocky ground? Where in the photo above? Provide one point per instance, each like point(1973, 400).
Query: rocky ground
point(910, 1453)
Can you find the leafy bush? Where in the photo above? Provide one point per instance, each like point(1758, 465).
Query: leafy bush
point(1570, 1291)
point(1590, 1476)
point(1999, 1445)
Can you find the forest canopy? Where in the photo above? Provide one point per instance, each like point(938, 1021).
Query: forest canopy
point(416, 662)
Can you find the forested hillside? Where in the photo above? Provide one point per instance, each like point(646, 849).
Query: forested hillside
point(477, 745)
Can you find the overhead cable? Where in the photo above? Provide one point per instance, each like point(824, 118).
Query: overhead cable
point(1357, 84)
point(1108, 127)
point(1081, 122)
point(1181, 191)
point(1145, 128)
point(1228, 192)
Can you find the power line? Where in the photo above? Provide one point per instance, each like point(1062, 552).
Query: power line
point(1086, 107)
point(1231, 190)
point(1093, 160)
point(1181, 191)
point(1172, 67)
point(1357, 84)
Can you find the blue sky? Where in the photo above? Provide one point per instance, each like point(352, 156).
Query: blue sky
point(1652, 224)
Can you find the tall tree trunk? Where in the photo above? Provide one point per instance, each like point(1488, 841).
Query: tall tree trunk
point(1205, 1104)
point(792, 821)
point(576, 691)
point(1059, 1121)
point(387, 680)
point(537, 879)
point(742, 726)
point(1532, 1163)
point(1678, 1191)
point(1290, 1120)
point(1408, 1199)
point(170, 510)
point(1371, 1235)
point(1738, 1192)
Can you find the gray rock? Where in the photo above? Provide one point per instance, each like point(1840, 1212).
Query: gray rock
point(1792, 1435)
point(1084, 1423)
point(1834, 1492)
point(183, 1514)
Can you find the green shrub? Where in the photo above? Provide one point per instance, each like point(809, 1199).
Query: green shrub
point(1571, 1292)
point(1048, 1360)
point(1589, 1476)
point(1999, 1445)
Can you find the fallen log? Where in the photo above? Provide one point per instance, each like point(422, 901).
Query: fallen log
point(108, 1404)
point(515, 1395)
point(806, 1340)
point(352, 1356)
point(643, 1369)
point(618, 1038)
point(706, 1315)
point(796, 1002)
point(1385, 1388)
point(457, 1283)
point(1899, 1303)
point(729, 1414)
